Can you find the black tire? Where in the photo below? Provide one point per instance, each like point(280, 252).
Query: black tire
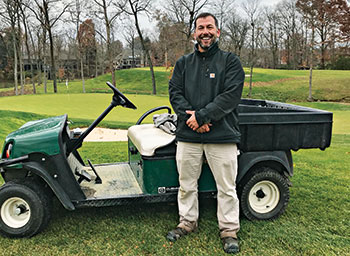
point(265, 195)
point(46, 197)
point(25, 209)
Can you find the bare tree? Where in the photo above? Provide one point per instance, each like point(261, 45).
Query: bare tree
point(223, 9)
point(130, 36)
point(42, 38)
point(174, 48)
point(325, 27)
point(26, 41)
point(184, 12)
point(10, 16)
point(19, 46)
point(48, 20)
point(343, 18)
point(75, 17)
point(291, 26)
point(109, 11)
point(251, 8)
point(272, 35)
point(236, 31)
point(309, 14)
point(87, 45)
point(134, 8)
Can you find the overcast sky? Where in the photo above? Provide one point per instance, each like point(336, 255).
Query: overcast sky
point(263, 2)
point(150, 26)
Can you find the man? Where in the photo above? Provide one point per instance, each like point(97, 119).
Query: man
point(205, 90)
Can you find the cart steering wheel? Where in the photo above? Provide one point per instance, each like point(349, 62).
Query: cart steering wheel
point(120, 99)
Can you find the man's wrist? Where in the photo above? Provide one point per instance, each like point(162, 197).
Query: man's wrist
point(201, 119)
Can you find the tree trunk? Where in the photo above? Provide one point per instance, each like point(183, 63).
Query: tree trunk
point(96, 63)
point(53, 66)
point(45, 75)
point(45, 61)
point(45, 67)
point(108, 41)
point(113, 75)
point(20, 57)
point(154, 88)
point(31, 65)
point(32, 76)
point(323, 54)
point(39, 67)
point(102, 67)
point(294, 51)
point(15, 60)
point(250, 81)
point(20, 54)
point(252, 63)
point(310, 83)
point(38, 55)
point(133, 53)
point(28, 51)
point(311, 63)
point(82, 72)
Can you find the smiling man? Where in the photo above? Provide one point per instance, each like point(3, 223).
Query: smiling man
point(205, 90)
point(206, 32)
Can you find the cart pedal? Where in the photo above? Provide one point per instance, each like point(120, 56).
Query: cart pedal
point(98, 178)
point(83, 175)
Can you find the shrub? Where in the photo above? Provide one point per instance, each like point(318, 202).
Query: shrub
point(342, 63)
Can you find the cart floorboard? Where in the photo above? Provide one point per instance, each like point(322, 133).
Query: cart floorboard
point(117, 179)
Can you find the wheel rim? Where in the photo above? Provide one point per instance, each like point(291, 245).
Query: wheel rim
point(264, 196)
point(15, 212)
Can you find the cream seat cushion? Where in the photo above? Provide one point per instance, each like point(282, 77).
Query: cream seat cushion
point(147, 138)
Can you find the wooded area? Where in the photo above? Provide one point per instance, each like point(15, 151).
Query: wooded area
point(61, 39)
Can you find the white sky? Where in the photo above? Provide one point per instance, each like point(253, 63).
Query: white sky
point(150, 26)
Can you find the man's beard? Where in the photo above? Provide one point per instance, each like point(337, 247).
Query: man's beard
point(206, 47)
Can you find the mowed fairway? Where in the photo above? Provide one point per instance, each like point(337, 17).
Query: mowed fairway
point(82, 106)
point(89, 106)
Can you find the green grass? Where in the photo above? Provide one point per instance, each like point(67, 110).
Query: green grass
point(328, 85)
point(12, 120)
point(261, 75)
point(105, 152)
point(341, 114)
point(316, 221)
point(84, 107)
point(279, 85)
point(137, 81)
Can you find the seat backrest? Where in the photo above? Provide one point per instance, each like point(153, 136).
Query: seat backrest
point(147, 138)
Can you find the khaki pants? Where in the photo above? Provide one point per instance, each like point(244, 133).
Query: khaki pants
point(222, 160)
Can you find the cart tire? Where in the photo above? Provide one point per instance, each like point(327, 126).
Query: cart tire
point(265, 195)
point(25, 209)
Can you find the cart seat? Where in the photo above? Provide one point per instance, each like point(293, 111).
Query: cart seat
point(147, 138)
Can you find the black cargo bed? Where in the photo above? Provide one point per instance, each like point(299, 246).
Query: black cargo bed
point(268, 125)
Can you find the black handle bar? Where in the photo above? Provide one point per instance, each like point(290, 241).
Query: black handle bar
point(151, 111)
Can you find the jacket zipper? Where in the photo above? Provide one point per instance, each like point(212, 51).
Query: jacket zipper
point(203, 77)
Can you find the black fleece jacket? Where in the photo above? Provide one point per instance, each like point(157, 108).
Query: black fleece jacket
point(211, 84)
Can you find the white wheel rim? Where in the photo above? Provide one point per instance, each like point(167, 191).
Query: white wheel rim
point(264, 196)
point(15, 212)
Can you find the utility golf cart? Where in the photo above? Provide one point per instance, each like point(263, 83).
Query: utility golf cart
point(40, 161)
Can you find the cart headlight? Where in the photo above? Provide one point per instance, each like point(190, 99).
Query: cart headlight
point(8, 151)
